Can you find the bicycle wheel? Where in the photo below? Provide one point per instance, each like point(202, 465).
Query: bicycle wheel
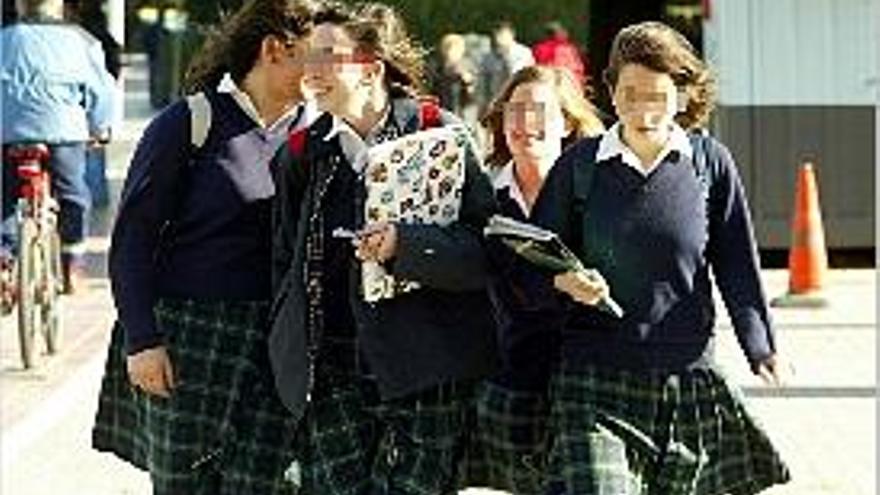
point(52, 280)
point(28, 287)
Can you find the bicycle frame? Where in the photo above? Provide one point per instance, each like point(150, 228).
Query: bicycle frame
point(38, 263)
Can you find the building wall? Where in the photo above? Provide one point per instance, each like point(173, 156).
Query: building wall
point(798, 81)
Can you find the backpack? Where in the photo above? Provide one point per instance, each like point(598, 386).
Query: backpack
point(200, 119)
point(582, 182)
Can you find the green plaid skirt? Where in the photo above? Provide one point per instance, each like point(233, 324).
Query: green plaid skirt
point(223, 431)
point(352, 443)
point(616, 432)
point(506, 448)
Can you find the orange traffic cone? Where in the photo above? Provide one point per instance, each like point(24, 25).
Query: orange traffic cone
point(807, 257)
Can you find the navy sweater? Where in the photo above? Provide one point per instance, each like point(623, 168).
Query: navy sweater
point(194, 224)
point(654, 241)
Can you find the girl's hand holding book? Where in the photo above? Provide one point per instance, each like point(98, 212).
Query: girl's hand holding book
point(376, 242)
point(584, 286)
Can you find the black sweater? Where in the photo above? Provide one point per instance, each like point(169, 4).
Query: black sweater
point(654, 241)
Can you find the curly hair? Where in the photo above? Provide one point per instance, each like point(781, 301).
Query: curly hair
point(663, 49)
point(580, 115)
point(378, 30)
point(235, 46)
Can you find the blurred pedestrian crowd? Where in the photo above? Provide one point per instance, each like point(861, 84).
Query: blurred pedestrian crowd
point(468, 70)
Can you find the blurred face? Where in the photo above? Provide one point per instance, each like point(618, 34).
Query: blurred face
point(337, 76)
point(534, 124)
point(288, 75)
point(645, 102)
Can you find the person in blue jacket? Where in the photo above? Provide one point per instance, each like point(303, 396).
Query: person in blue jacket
point(638, 403)
point(55, 90)
point(187, 392)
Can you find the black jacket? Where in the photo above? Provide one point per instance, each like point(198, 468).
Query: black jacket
point(527, 312)
point(443, 331)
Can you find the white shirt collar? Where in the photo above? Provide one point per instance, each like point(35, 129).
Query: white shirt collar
point(227, 85)
point(354, 147)
point(611, 145)
point(505, 177)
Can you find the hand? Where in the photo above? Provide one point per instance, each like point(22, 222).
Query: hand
point(376, 242)
point(150, 370)
point(100, 138)
point(774, 371)
point(586, 287)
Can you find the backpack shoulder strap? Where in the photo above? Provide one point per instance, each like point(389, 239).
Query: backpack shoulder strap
point(199, 126)
point(582, 180)
point(200, 118)
point(582, 185)
point(700, 144)
point(200, 115)
point(429, 113)
point(296, 141)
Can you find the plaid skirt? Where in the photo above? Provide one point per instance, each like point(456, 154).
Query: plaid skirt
point(223, 431)
point(353, 443)
point(507, 440)
point(616, 432)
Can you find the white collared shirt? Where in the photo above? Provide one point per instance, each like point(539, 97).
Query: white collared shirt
point(355, 147)
point(227, 85)
point(505, 177)
point(611, 145)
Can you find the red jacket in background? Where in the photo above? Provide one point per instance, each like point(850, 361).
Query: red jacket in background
point(559, 51)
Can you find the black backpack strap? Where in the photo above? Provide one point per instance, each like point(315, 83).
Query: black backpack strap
point(582, 186)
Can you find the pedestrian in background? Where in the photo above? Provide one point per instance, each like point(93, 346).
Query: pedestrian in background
point(56, 91)
point(557, 50)
point(506, 57)
point(538, 113)
point(187, 392)
point(456, 79)
point(638, 404)
point(380, 388)
point(94, 20)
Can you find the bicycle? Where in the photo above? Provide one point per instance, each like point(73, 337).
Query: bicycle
point(36, 271)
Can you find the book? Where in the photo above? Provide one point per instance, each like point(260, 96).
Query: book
point(417, 179)
point(545, 249)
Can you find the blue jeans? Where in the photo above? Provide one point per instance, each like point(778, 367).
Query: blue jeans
point(67, 168)
point(96, 176)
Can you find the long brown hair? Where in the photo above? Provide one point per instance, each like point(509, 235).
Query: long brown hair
point(663, 49)
point(378, 30)
point(579, 113)
point(235, 46)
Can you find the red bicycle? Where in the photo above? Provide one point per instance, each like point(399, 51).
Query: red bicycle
point(34, 280)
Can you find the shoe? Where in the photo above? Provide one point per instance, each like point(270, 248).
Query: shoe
point(73, 280)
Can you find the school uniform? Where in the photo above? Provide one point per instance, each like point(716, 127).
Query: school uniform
point(190, 270)
point(638, 405)
point(507, 445)
point(380, 388)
